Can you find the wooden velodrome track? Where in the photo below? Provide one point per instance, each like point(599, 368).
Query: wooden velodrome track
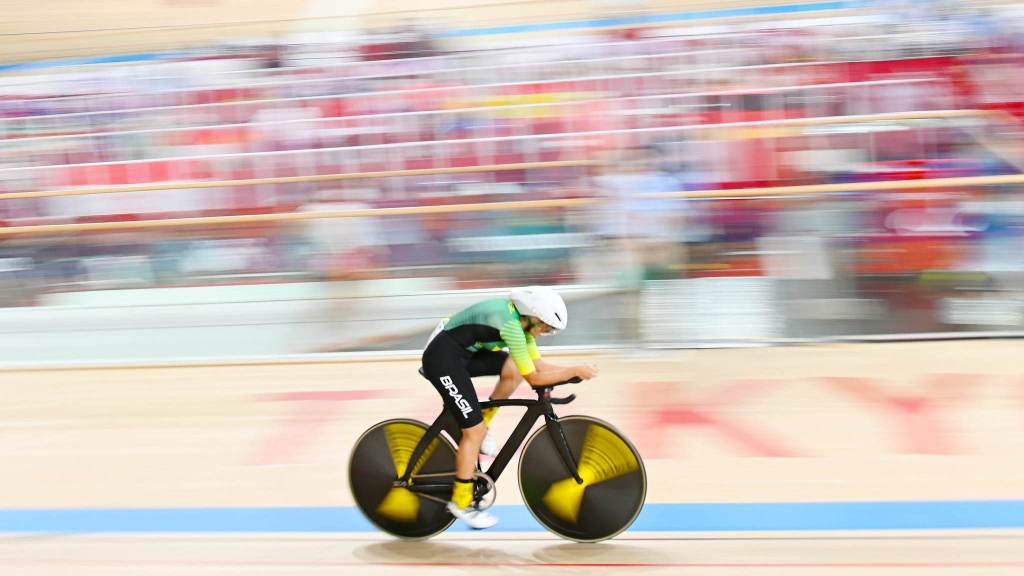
point(302, 555)
point(851, 459)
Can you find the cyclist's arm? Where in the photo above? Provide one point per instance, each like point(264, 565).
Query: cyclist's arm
point(550, 374)
point(527, 359)
point(531, 347)
point(518, 348)
point(543, 365)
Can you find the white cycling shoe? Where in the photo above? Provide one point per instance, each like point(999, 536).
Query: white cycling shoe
point(489, 447)
point(473, 517)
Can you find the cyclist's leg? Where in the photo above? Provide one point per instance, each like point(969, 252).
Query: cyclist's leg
point(489, 363)
point(509, 381)
point(446, 368)
point(451, 379)
point(496, 363)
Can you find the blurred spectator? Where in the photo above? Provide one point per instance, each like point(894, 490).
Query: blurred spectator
point(344, 248)
point(640, 238)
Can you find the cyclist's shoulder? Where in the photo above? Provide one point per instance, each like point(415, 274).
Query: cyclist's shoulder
point(500, 307)
point(495, 312)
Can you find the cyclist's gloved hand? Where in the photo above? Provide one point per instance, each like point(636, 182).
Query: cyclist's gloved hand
point(586, 371)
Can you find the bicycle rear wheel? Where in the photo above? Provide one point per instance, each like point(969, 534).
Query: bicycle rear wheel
point(381, 456)
point(614, 488)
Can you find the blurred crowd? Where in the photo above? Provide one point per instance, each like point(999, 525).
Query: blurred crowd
point(901, 93)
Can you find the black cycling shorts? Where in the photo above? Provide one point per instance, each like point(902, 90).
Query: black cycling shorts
point(450, 368)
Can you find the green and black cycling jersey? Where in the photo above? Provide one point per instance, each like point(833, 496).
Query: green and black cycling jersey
point(492, 325)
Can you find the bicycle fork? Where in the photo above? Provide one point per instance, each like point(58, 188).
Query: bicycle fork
point(561, 443)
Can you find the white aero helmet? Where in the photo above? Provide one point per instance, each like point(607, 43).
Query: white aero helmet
point(542, 303)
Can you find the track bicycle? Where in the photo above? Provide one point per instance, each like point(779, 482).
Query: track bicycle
point(578, 476)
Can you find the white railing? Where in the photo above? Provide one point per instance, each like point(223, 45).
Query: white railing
point(829, 47)
point(663, 82)
point(290, 87)
point(575, 146)
point(418, 65)
point(442, 66)
point(628, 112)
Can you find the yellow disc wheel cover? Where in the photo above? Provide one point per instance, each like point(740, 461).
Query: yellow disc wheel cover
point(400, 504)
point(604, 456)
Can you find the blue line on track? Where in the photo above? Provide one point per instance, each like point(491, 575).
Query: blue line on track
point(646, 19)
point(824, 516)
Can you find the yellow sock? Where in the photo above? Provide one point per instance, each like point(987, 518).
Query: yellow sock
point(462, 493)
point(489, 415)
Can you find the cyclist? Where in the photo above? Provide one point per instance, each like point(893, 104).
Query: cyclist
point(470, 344)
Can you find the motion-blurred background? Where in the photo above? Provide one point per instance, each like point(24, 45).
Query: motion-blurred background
point(219, 178)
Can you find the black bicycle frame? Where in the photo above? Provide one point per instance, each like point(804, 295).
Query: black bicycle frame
point(542, 406)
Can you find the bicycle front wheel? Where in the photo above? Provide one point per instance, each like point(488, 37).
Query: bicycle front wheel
point(381, 456)
point(614, 480)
